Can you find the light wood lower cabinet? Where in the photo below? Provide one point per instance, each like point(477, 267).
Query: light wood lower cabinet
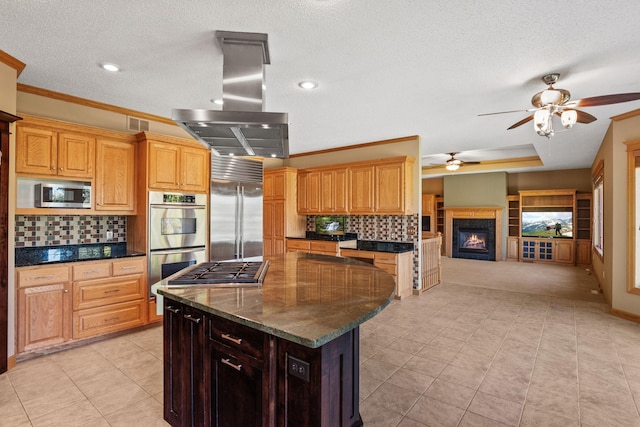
point(398, 265)
point(112, 303)
point(44, 307)
point(547, 250)
point(512, 248)
point(79, 300)
point(583, 252)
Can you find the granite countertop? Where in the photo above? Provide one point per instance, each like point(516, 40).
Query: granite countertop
point(384, 246)
point(40, 255)
point(293, 303)
point(312, 235)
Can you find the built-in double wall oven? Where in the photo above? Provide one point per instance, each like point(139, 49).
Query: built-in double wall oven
point(177, 233)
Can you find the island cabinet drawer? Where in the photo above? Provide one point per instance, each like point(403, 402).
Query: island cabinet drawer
point(94, 293)
point(42, 276)
point(88, 271)
point(247, 340)
point(103, 320)
point(128, 266)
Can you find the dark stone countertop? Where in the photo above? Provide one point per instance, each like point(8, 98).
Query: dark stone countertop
point(297, 301)
point(384, 246)
point(40, 255)
point(312, 235)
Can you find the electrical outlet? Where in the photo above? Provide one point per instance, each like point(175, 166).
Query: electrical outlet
point(109, 234)
point(411, 230)
point(298, 368)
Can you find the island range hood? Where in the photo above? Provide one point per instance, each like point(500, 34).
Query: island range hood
point(241, 128)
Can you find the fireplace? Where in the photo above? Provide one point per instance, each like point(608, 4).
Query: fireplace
point(474, 239)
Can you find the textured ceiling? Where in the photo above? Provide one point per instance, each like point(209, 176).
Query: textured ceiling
point(386, 69)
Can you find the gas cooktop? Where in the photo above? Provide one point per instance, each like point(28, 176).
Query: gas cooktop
point(223, 274)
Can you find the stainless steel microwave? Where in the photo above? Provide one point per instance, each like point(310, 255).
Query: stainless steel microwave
point(63, 195)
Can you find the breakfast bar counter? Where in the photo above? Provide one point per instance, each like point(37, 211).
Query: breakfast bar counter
point(284, 353)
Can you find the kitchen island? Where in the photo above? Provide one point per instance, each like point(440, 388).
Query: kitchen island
point(285, 353)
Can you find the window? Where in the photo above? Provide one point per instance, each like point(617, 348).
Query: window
point(598, 223)
point(633, 198)
point(598, 209)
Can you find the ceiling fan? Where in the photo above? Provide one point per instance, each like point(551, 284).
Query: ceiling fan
point(454, 164)
point(557, 102)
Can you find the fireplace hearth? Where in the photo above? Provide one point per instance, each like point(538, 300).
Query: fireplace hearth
point(474, 239)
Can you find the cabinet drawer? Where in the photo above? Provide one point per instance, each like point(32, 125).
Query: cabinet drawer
point(42, 276)
point(233, 335)
point(128, 266)
point(83, 271)
point(95, 293)
point(385, 257)
point(298, 244)
point(323, 247)
point(115, 317)
point(389, 268)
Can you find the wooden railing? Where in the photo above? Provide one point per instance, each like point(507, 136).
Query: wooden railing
point(431, 266)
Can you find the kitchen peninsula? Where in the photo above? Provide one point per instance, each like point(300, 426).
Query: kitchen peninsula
point(285, 353)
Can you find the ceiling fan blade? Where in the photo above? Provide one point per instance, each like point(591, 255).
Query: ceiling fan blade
point(607, 99)
point(470, 163)
point(506, 112)
point(585, 117)
point(521, 122)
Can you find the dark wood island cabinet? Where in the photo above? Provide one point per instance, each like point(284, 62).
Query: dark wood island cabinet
point(285, 354)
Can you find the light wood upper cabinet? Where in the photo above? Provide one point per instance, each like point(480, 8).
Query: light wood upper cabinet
point(194, 169)
point(428, 204)
point(333, 191)
point(378, 187)
point(390, 182)
point(115, 181)
point(177, 167)
point(42, 151)
point(309, 192)
point(362, 189)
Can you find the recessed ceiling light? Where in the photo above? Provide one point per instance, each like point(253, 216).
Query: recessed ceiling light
point(217, 101)
point(273, 155)
point(308, 84)
point(110, 67)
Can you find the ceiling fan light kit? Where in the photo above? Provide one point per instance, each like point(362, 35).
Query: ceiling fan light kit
point(555, 102)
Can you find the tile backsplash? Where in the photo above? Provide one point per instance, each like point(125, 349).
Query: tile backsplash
point(56, 230)
point(394, 228)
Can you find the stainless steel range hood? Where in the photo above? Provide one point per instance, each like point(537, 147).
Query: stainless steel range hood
point(241, 128)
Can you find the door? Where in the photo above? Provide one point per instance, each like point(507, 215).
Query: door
point(115, 180)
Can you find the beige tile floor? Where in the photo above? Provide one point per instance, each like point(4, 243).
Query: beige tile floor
point(477, 350)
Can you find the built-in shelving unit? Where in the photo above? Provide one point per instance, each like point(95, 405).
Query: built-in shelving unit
point(440, 222)
point(573, 250)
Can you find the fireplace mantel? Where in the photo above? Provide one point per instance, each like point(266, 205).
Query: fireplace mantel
point(479, 212)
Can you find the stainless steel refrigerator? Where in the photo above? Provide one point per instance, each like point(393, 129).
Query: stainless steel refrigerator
point(235, 209)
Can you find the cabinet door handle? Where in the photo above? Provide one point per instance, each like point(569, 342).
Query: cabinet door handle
point(91, 271)
point(112, 291)
point(50, 276)
point(61, 169)
point(172, 309)
point(128, 267)
point(228, 363)
point(232, 339)
point(193, 319)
